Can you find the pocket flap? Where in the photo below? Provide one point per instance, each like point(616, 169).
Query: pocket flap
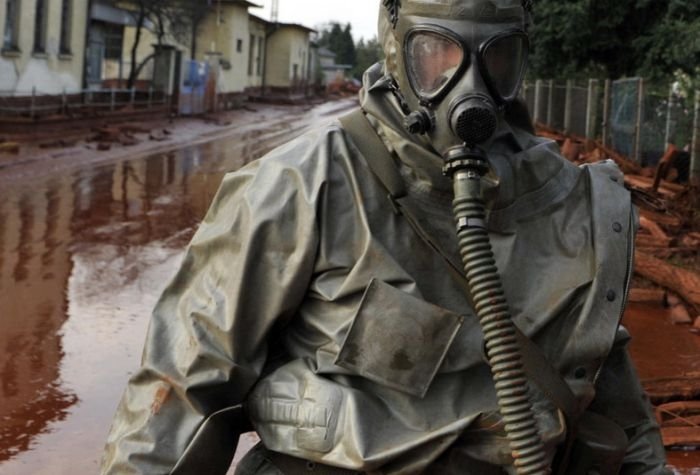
point(398, 340)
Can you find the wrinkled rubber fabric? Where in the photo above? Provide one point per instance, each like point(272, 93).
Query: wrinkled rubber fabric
point(277, 276)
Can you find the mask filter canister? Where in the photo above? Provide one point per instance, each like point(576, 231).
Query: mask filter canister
point(473, 119)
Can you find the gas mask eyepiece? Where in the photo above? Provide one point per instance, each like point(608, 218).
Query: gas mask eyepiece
point(460, 81)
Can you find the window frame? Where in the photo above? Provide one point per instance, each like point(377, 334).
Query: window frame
point(41, 12)
point(66, 33)
point(10, 35)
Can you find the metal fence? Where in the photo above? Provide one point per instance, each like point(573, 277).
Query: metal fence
point(627, 115)
point(36, 105)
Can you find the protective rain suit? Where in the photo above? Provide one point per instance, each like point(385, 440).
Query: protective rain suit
point(307, 298)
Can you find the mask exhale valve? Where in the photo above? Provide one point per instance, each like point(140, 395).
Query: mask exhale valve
point(466, 167)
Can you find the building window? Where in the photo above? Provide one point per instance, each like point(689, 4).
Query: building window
point(66, 14)
point(9, 39)
point(40, 27)
point(114, 39)
point(251, 55)
point(261, 50)
point(239, 45)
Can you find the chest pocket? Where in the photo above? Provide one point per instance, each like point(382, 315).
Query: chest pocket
point(398, 340)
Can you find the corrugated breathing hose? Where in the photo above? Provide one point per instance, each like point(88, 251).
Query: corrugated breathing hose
point(502, 348)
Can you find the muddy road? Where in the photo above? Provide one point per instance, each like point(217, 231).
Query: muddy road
point(85, 249)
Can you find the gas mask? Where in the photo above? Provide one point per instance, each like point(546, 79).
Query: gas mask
point(457, 65)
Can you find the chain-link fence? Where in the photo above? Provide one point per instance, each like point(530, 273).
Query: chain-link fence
point(629, 115)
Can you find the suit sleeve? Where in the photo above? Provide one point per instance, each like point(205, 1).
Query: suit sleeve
point(243, 276)
point(620, 397)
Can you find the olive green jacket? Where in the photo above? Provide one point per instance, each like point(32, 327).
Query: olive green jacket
point(304, 296)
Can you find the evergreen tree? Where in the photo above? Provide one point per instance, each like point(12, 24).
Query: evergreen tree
point(339, 40)
point(367, 53)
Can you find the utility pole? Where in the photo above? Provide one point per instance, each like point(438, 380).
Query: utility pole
point(274, 17)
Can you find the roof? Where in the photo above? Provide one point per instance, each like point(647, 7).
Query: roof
point(244, 3)
point(294, 25)
point(258, 19)
point(322, 51)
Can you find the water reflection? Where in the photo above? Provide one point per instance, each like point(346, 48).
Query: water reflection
point(109, 224)
point(83, 256)
point(33, 271)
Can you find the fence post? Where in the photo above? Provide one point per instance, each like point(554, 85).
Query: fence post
point(528, 91)
point(669, 117)
point(538, 101)
point(568, 105)
point(112, 98)
point(64, 102)
point(550, 104)
point(638, 122)
point(133, 96)
point(606, 111)
point(592, 109)
point(150, 95)
point(32, 103)
point(695, 152)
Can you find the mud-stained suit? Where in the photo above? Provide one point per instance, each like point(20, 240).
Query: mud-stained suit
point(304, 296)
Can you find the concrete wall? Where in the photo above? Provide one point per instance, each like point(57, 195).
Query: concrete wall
point(287, 47)
point(220, 39)
point(50, 72)
point(256, 63)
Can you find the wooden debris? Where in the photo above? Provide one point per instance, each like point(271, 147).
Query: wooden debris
point(571, 150)
point(691, 240)
point(9, 147)
point(671, 222)
point(108, 134)
point(679, 313)
point(646, 184)
point(647, 240)
point(667, 252)
point(684, 282)
point(681, 436)
point(134, 129)
point(663, 390)
point(680, 423)
point(647, 295)
point(653, 228)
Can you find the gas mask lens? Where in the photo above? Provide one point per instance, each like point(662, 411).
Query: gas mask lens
point(503, 62)
point(432, 61)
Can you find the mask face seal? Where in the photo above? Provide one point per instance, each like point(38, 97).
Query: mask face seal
point(472, 81)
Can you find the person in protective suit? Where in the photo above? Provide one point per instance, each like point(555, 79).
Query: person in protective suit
point(424, 287)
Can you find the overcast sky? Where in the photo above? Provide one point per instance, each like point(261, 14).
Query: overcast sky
point(362, 14)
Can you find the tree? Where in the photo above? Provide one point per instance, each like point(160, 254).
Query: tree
point(180, 18)
point(367, 53)
point(186, 21)
point(339, 40)
point(615, 38)
point(155, 12)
